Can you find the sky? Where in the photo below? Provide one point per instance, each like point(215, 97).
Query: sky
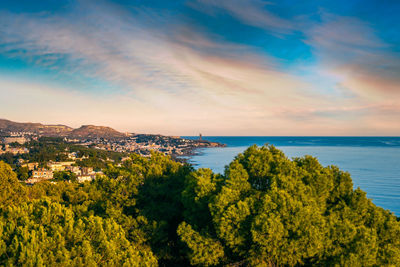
point(223, 67)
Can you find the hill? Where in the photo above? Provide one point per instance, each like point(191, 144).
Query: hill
point(37, 128)
point(92, 131)
point(85, 131)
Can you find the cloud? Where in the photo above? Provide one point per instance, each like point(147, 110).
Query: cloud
point(124, 51)
point(179, 80)
point(249, 12)
point(350, 48)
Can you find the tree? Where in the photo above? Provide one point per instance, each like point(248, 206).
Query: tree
point(11, 191)
point(269, 210)
point(23, 173)
point(266, 210)
point(65, 176)
point(46, 233)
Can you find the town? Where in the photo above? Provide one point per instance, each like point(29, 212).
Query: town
point(83, 158)
point(143, 144)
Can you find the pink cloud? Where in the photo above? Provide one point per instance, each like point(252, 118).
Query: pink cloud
point(351, 50)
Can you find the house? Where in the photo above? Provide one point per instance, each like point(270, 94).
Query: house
point(59, 166)
point(31, 165)
point(14, 150)
point(87, 171)
point(87, 174)
point(85, 178)
point(72, 155)
point(74, 169)
point(40, 175)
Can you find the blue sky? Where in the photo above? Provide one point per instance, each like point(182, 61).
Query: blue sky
point(228, 67)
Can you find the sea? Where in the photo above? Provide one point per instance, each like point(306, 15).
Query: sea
point(373, 162)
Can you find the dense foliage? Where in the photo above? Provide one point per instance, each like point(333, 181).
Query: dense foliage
point(265, 210)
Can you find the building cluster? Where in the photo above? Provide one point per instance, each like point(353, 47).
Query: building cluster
point(41, 174)
point(18, 137)
point(15, 137)
point(143, 144)
point(13, 150)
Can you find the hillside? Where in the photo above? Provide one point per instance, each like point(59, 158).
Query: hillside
point(92, 131)
point(37, 128)
point(85, 131)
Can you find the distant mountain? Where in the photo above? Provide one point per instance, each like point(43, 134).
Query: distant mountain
point(85, 131)
point(91, 131)
point(38, 128)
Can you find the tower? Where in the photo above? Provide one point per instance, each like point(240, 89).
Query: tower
point(200, 137)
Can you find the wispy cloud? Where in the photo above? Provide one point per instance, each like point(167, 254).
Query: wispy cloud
point(251, 12)
point(176, 77)
point(352, 49)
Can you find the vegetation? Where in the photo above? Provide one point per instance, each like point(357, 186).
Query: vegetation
point(55, 149)
point(65, 176)
point(265, 210)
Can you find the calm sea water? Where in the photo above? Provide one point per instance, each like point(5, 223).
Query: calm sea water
point(373, 162)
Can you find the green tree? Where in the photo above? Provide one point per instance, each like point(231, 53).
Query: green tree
point(64, 176)
point(269, 210)
point(11, 191)
point(23, 173)
point(266, 210)
point(46, 233)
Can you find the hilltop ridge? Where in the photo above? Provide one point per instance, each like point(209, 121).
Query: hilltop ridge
point(92, 131)
point(59, 130)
